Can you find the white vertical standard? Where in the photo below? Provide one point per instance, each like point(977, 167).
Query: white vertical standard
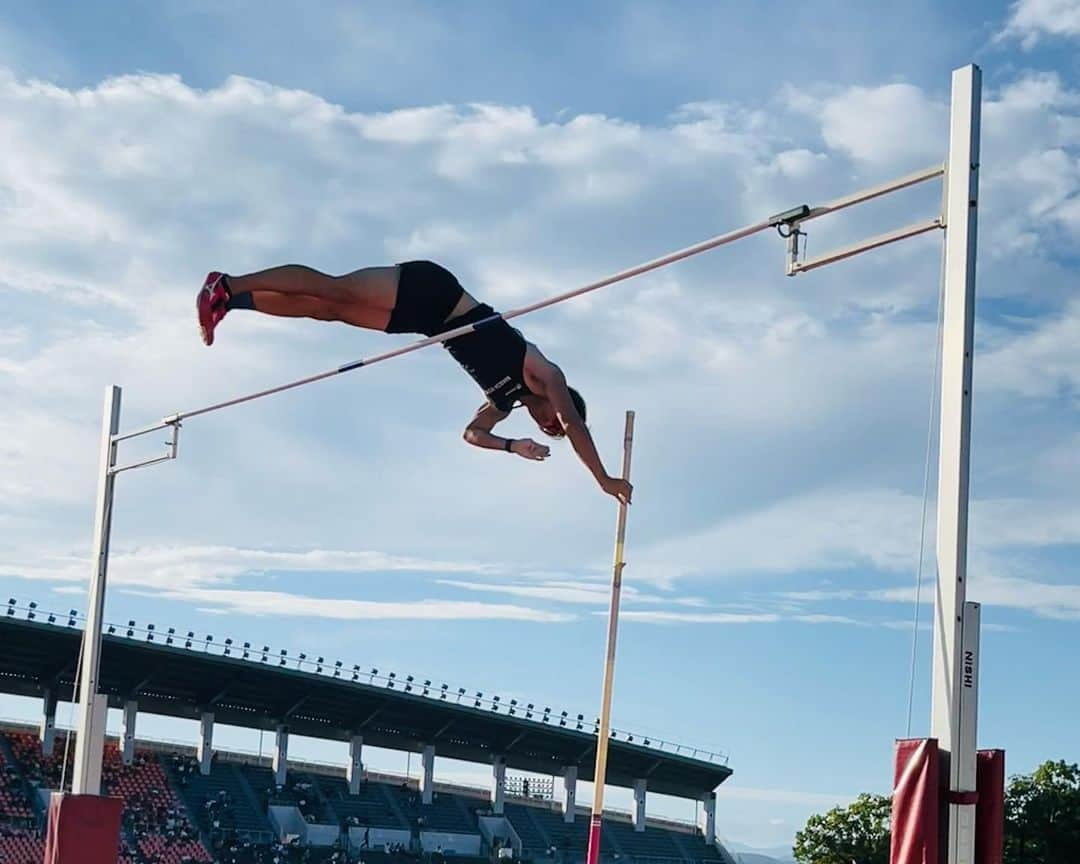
point(86, 779)
point(948, 705)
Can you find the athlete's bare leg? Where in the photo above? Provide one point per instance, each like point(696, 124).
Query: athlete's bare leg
point(372, 287)
point(308, 306)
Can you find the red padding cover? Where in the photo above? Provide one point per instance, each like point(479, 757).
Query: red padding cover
point(915, 815)
point(990, 811)
point(83, 829)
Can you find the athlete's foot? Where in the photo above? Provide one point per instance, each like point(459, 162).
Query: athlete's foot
point(212, 304)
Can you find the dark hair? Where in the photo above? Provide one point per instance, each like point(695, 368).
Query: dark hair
point(579, 403)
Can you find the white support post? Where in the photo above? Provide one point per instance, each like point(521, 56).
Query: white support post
point(498, 785)
point(127, 747)
point(639, 803)
point(427, 775)
point(281, 754)
point(86, 778)
point(709, 828)
point(206, 742)
point(354, 772)
point(47, 729)
point(96, 748)
point(949, 704)
point(569, 802)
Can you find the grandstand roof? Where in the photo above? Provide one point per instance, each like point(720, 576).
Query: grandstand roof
point(177, 681)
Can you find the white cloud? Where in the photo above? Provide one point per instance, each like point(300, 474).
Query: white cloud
point(580, 593)
point(886, 125)
point(1059, 601)
point(281, 604)
point(198, 566)
point(1041, 363)
point(827, 529)
point(1033, 19)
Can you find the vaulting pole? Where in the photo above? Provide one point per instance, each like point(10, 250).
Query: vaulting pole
point(604, 732)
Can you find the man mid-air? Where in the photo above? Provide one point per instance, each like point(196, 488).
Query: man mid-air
point(424, 298)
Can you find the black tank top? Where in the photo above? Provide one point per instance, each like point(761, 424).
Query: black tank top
point(493, 355)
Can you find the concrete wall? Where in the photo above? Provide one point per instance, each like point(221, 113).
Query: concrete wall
point(499, 827)
point(452, 844)
point(378, 837)
point(287, 821)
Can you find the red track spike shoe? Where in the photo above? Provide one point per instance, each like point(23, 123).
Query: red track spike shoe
point(212, 305)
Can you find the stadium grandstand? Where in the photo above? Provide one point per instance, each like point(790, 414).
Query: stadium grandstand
point(197, 805)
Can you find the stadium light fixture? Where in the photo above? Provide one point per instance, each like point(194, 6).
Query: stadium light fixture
point(11, 606)
point(130, 629)
point(408, 683)
point(513, 705)
point(228, 647)
point(190, 636)
point(112, 630)
point(247, 651)
point(72, 615)
point(337, 668)
point(580, 718)
point(355, 673)
point(265, 653)
point(562, 719)
point(169, 636)
point(30, 616)
point(547, 715)
point(460, 693)
point(209, 639)
point(149, 632)
point(281, 658)
point(390, 680)
point(479, 696)
point(52, 618)
point(647, 743)
point(529, 711)
point(442, 693)
point(318, 666)
point(427, 686)
point(374, 672)
point(495, 703)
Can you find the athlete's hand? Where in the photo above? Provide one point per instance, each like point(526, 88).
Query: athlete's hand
point(618, 488)
point(526, 448)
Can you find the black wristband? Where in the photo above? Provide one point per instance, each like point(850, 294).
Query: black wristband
point(508, 445)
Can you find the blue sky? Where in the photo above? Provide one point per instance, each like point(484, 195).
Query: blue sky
point(781, 423)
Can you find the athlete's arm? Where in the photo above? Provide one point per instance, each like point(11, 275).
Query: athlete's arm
point(478, 433)
point(580, 438)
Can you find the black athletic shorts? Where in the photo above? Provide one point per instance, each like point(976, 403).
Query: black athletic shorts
point(427, 294)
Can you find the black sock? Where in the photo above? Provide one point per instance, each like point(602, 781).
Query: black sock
point(240, 301)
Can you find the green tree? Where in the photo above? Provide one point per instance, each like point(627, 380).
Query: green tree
point(1042, 816)
point(857, 833)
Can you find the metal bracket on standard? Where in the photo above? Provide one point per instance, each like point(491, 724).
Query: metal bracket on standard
point(788, 225)
point(173, 443)
point(790, 218)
